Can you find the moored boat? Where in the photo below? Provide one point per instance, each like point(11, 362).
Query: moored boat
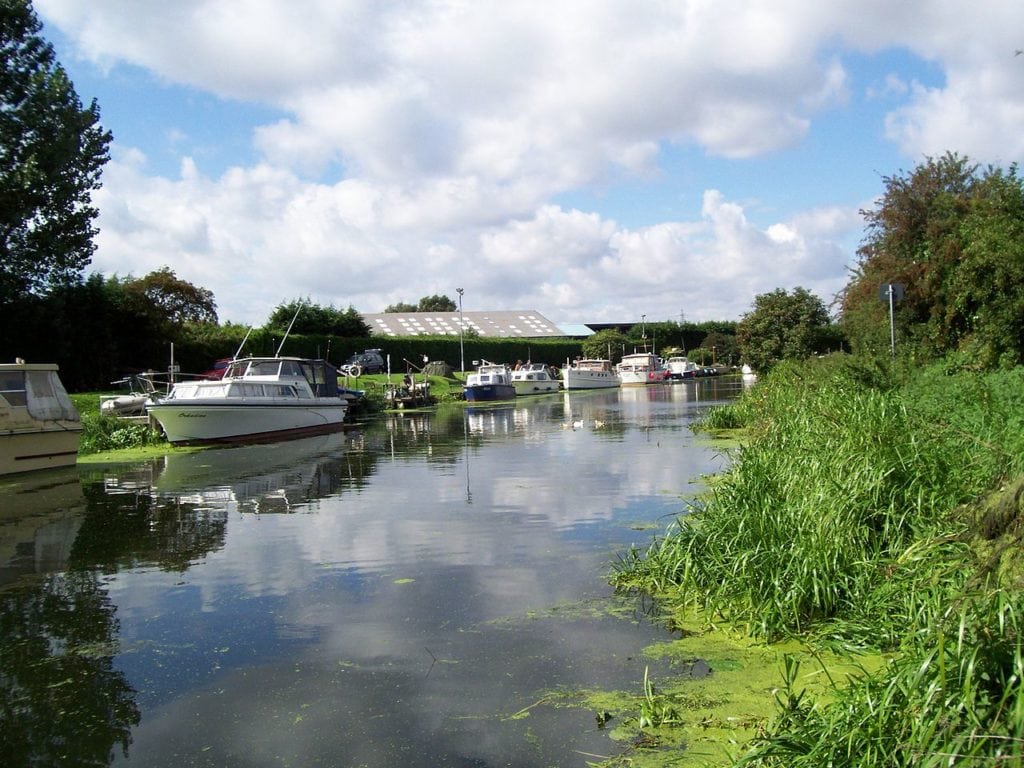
point(39, 425)
point(258, 398)
point(490, 381)
point(641, 368)
point(681, 368)
point(534, 379)
point(590, 373)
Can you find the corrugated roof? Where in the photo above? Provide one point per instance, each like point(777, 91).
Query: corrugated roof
point(526, 324)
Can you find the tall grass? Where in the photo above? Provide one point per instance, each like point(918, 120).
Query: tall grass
point(840, 495)
point(951, 697)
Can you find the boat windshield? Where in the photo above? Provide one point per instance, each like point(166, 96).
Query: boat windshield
point(12, 387)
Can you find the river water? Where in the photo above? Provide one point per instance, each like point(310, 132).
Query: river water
point(424, 590)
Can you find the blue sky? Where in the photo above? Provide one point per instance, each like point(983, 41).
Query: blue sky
point(591, 160)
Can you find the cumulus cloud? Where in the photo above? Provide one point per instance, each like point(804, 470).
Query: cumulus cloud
point(423, 143)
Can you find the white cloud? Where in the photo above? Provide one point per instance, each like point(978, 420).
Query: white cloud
point(422, 143)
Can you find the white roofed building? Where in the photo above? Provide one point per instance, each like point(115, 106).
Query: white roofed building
point(524, 324)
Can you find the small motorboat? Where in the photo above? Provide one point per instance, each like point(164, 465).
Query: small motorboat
point(534, 379)
point(491, 381)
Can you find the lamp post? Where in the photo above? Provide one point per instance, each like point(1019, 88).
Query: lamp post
point(462, 352)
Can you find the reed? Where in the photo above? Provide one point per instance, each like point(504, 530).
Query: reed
point(952, 696)
point(833, 503)
point(848, 519)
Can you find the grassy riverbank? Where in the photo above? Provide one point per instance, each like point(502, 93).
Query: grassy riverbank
point(868, 511)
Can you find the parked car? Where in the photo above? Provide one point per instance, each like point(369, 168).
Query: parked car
point(220, 367)
point(369, 361)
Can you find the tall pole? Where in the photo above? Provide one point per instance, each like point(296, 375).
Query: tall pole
point(462, 352)
point(892, 323)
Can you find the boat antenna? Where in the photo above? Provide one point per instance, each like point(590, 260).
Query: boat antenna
point(297, 310)
point(245, 339)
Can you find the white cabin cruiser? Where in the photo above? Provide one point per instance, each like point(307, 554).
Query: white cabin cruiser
point(259, 398)
point(641, 368)
point(589, 374)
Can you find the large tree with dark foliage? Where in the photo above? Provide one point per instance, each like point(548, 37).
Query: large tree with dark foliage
point(51, 154)
point(953, 235)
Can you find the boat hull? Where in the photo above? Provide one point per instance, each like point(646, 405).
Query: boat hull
point(47, 448)
point(534, 387)
point(641, 378)
point(191, 422)
point(588, 379)
point(479, 393)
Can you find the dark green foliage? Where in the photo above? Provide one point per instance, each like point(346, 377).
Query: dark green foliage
point(953, 235)
point(170, 300)
point(400, 307)
point(609, 343)
point(316, 319)
point(51, 154)
point(435, 303)
point(783, 326)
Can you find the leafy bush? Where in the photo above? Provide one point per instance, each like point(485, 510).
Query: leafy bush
point(101, 432)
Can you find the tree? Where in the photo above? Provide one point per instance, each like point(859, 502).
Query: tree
point(723, 347)
point(313, 319)
point(782, 325)
point(51, 154)
point(953, 235)
point(608, 343)
point(985, 292)
point(171, 299)
point(912, 238)
point(435, 303)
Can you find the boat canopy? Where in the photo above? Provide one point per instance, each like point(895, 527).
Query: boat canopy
point(40, 391)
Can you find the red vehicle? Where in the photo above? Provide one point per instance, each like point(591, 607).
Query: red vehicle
point(218, 370)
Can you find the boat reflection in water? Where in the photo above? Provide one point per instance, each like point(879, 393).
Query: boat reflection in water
point(39, 520)
point(279, 477)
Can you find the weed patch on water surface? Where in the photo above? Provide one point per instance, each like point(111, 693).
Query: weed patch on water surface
point(716, 698)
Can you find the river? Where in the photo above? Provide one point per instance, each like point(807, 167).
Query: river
point(423, 590)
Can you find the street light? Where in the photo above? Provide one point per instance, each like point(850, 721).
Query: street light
point(462, 352)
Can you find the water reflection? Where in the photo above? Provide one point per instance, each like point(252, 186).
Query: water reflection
point(389, 596)
point(64, 703)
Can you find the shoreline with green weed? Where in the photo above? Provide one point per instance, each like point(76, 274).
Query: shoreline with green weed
point(867, 512)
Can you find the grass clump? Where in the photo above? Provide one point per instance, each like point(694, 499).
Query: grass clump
point(851, 518)
point(952, 696)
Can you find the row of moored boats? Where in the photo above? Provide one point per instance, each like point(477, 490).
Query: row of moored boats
point(497, 381)
point(268, 398)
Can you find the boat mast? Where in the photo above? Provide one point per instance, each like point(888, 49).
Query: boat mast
point(239, 350)
point(294, 317)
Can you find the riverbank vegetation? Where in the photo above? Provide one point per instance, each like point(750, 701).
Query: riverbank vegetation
point(871, 509)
